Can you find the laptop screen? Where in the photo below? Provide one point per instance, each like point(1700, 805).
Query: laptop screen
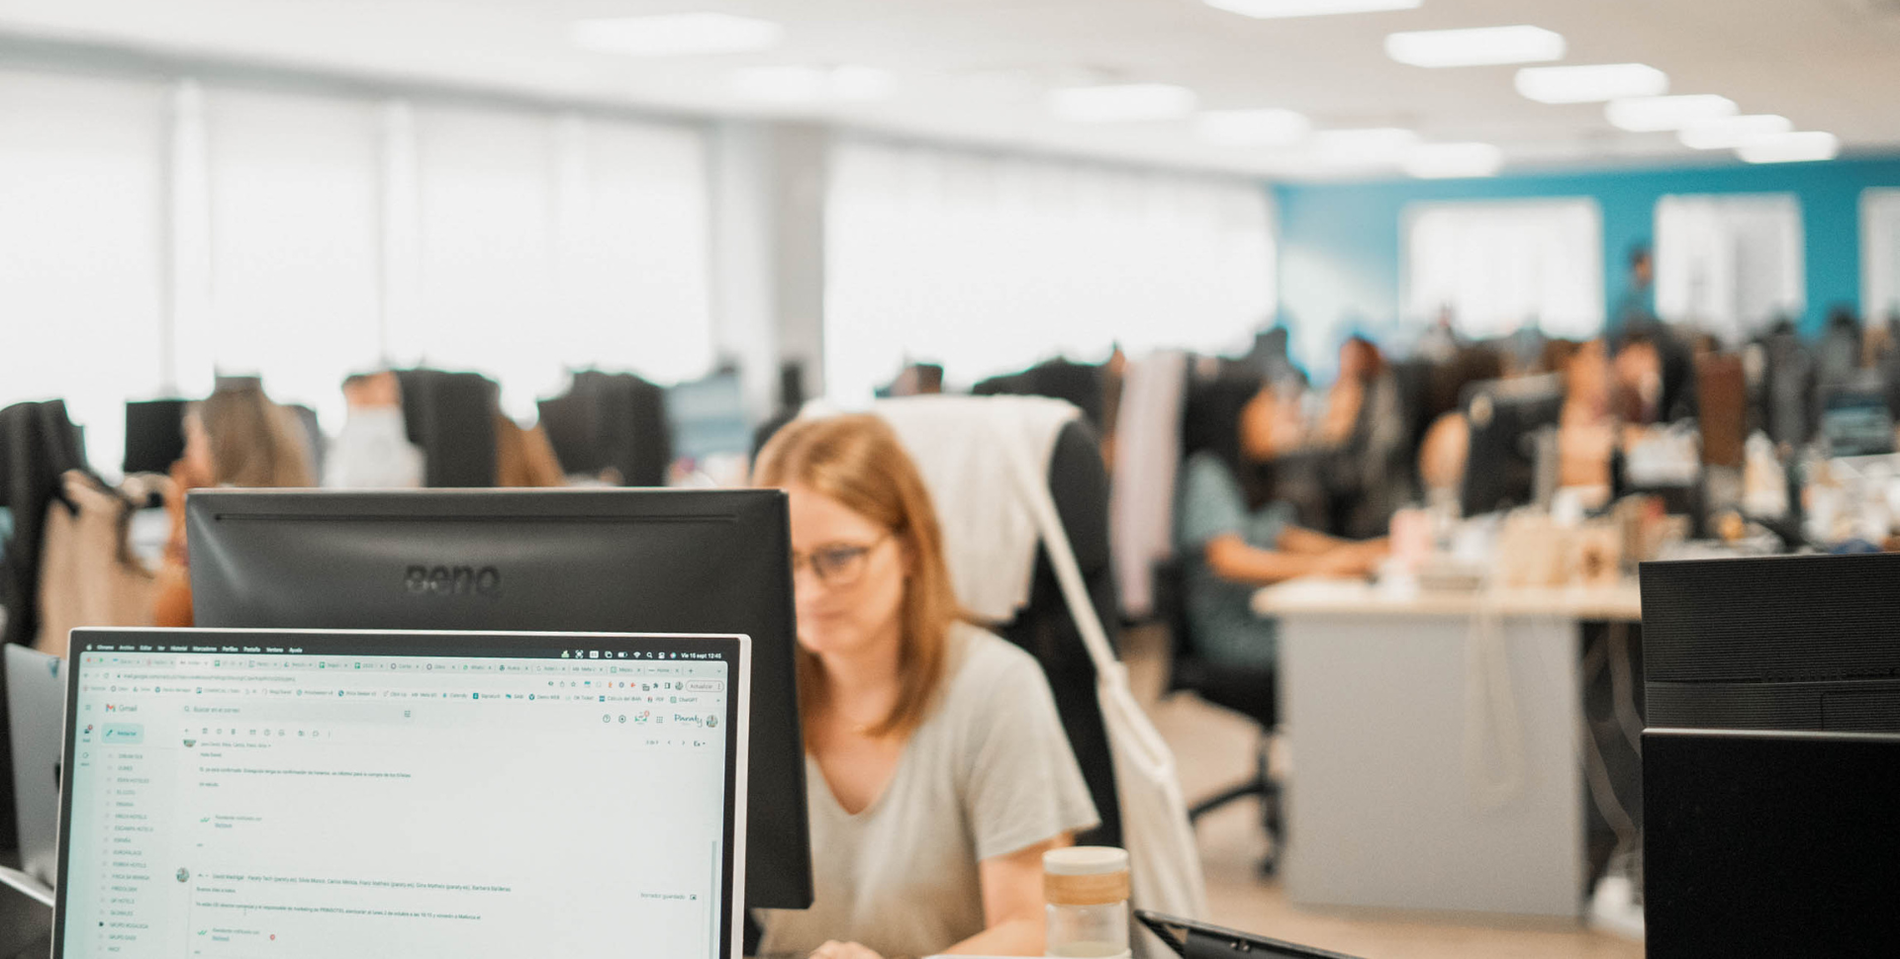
point(326, 793)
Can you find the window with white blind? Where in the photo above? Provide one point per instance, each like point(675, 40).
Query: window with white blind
point(591, 234)
point(1880, 255)
point(1499, 267)
point(154, 233)
point(82, 281)
point(1729, 265)
point(293, 212)
point(989, 264)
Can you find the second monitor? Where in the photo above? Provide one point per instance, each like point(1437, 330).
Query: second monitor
point(615, 560)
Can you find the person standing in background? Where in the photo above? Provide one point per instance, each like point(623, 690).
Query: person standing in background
point(237, 437)
point(1636, 312)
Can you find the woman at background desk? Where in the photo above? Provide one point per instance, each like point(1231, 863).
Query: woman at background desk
point(236, 437)
point(1234, 541)
point(937, 770)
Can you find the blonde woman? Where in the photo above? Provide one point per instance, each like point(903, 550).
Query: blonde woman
point(938, 772)
point(237, 437)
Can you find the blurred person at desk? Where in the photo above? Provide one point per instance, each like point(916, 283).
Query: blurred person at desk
point(373, 450)
point(1232, 538)
point(237, 437)
point(937, 770)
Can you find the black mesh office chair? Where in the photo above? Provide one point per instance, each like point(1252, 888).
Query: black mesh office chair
point(1045, 628)
point(1250, 692)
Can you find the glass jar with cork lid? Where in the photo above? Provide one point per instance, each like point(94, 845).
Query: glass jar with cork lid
point(1086, 888)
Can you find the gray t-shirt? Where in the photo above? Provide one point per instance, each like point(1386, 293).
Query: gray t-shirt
point(988, 772)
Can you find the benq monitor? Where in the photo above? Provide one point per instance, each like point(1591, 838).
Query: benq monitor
point(572, 560)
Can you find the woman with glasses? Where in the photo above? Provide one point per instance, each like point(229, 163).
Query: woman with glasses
point(937, 769)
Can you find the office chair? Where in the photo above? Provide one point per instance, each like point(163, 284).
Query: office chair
point(1044, 627)
point(1250, 692)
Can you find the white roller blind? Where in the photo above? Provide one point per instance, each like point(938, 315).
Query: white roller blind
point(989, 264)
point(1729, 265)
point(633, 256)
point(1502, 266)
point(546, 243)
point(1880, 255)
point(81, 262)
point(294, 241)
point(485, 276)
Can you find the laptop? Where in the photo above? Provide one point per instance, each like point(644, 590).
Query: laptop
point(298, 793)
point(36, 707)
point(1198, 940)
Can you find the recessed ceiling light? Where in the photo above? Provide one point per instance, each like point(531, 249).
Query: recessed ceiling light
point(1801, 147)
point(804, 84)
point(1591, 84)
point(1122, 103)
point(1728, 133)
point(677, 34)
point(1271, 127)
point(1370, 146)
point(1438, 161)
point(1484, 46)
point(1656, 114)
point(1268, 9)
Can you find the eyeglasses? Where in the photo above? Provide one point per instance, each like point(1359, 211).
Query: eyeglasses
point(837, 564)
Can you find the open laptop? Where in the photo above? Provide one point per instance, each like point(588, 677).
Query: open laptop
point(322, 793)
point(36, 708)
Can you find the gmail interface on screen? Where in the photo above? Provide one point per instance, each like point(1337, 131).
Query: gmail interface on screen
point(298, 795)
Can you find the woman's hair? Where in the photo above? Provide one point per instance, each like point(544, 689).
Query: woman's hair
point(254, 442)
point(858, 461)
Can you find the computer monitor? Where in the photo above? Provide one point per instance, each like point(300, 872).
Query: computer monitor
point(1855, 421)
point(314, 793)
point(1504, 417)
point(1781, 642)
point(36, 701)
point(587, 560)
point(1770, 844)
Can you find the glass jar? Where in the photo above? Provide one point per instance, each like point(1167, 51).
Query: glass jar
point(1086, 888)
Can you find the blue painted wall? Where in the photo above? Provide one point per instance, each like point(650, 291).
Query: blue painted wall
point(1340, 245)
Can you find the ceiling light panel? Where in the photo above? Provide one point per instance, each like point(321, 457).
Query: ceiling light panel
point(806, 84)
point(1485, 46)
point(1658, 114)
point(1270, 9)
point(677, 34)
point(1729, 133)
point(1123, 103)
point(1379, 145)
point(1804, 147)
point(1267, 127)
point(1438, 161)
point(1591, 84)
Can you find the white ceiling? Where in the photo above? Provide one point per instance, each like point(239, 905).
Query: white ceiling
point(978, 70)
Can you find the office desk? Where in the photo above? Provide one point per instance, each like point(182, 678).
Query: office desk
point(1434, 740)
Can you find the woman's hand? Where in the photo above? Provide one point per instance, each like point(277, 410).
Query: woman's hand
point(843, 950)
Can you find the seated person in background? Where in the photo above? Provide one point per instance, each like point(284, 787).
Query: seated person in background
point(938, 771)
point(237, 437)
point(373, 451)
point(1586, 426)
point(1365, 425)
point(1441, 460)
point(1232, 541)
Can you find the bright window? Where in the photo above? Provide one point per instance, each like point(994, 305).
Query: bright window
point(1880, 254)
point(82, 289)
point(989, 264)
point(1729, 265)
point(1503, 266)
point(294, 213)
